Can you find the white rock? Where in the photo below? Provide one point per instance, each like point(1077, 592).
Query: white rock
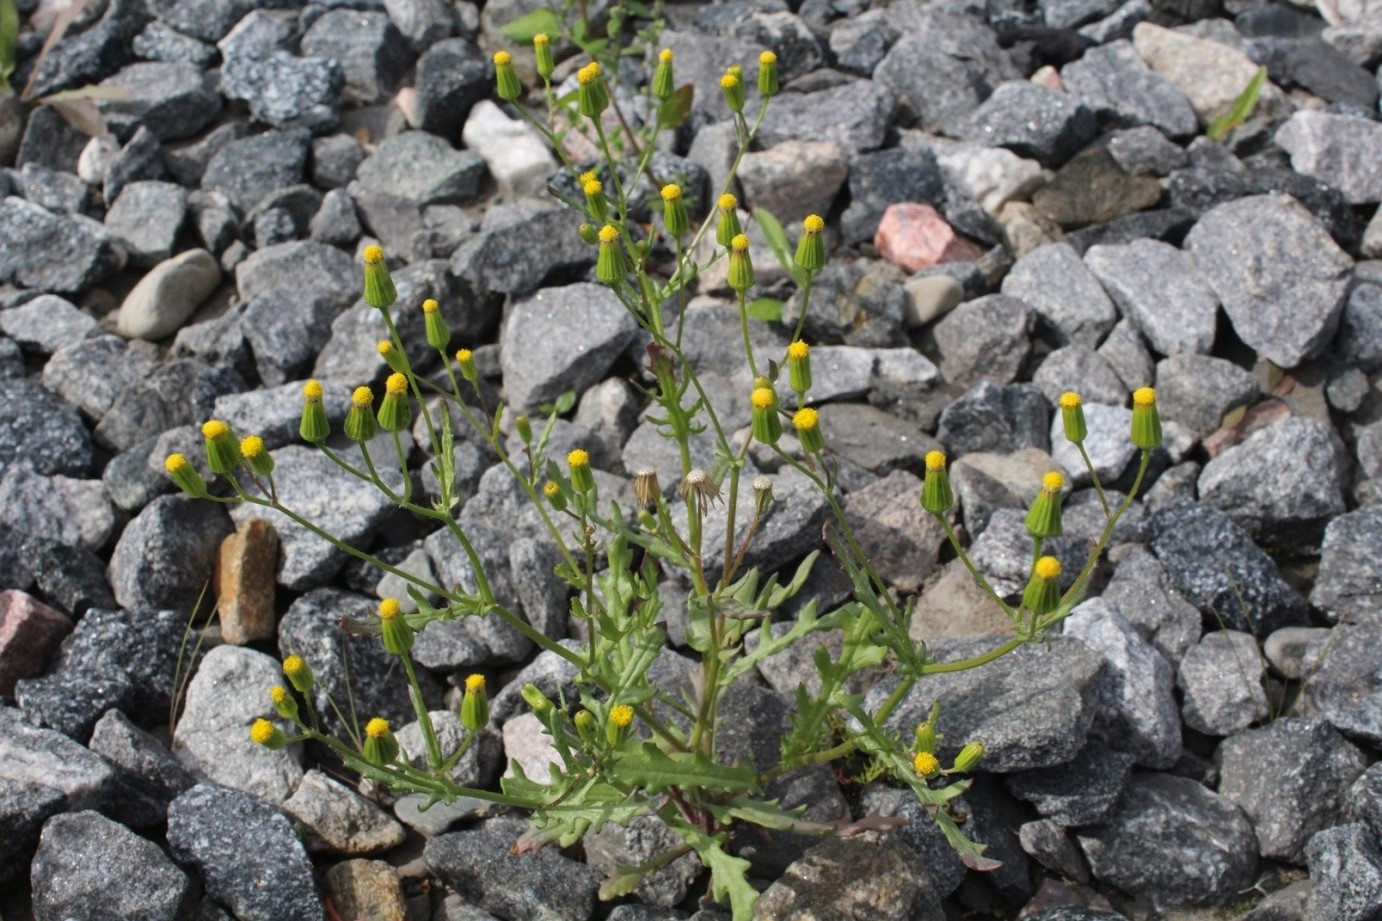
point(516, 155)
point(931, 297)
point(1211, 75)
point(168, 295)
point(527, 743)
point(992, 176)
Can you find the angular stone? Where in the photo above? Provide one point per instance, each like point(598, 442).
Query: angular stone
point(245, 600)
point(915, 237)
point(985, 340)
point(1345, 873)
point(1065, 296)
point(30, 632)
point(1342, 681)
point(41, 430)
point(998, 419)
point(24, 807)
point(165, 553)
point(337, 820)
point(794, 178)
point(452, 76)
point(41, 757)
point(1113, 81)
point(1141, 591)
point(1198, 391)
point(283, 90)
point(515, 154)
point(60, 253)
point(365, 889)
point(1211, 75)
point(1082, 792)
point(422, 168)
point(1221, 683)
point(1092, 189)
point(896, 534)
point(46, 324)
point(172, 100)
point(871, 876)
point(855, 115)
point(1030, 120)
point(73, 512)
point(1081, 369)
point(1340, 150)
point(147, 770)
point(1349, 585)
point(248, 169)
point(944, 65)
point(1167, 297)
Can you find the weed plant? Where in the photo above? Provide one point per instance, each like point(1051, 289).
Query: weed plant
point(626, 747)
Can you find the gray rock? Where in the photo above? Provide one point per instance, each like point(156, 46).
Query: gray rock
point(1341, 681)
point(422, 22)
point(1198, 391)
point(1217, 567)
point(1340, 150)
point(334, 160)
point(172, 100)
point(944, 66)
point(856, 303)
point(1083, 370)
point(180, 392)
point(1113, 81)
point(208, 20)
point(896, 534)
point(840, 876)
point(283, 90)
point(52, 762)
point(1139, 714)
point(1127, 354)
point(91, 55)
point(452, 76)
point(1263, 253)
point(1359, 340)
point(247, 852)
point(883, 178)
point(422, 168)
point(286, 333)
point(478, 767)
point(394, 221)
point(1345, 874)
point(874, 440)
point(1305, 795)
point(794, 178)
point(142, 159)
point(1033, 707)
point(24, 807)
point(1161, 291)
point(1049, 845)
point(1003, 553)
point(1145, 150)
point(56, 508)
point(920, 833)
point(1310, 63)
point(337, 820)
point(579, 329)
point(1171, 839)
point(613, 846)
point(1221, 682)
point(146, 768)
point(985, 482)
point(987, 339)
point(166, 551)
point(256, 31)
point(1286, 648)
point(38, 428)
point(1065, 296)
point(1030, 120)
point(542, 885)
point(1365, 798)
point(84, 859)
point(1141, 591)
point(997, 419)
point(370, 50)
point(1282, 484)
point(1110, 450)
point(53, 252)
point(274, 413)
point(58, 192)
point(248, 169)
point(49, 141)
point(1349, 585)
point(46, 324)
point(1082, 792)
point(336, 222)
point(516, 258)
point(858, 43)
point(854, 115)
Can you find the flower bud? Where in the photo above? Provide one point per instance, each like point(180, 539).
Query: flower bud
point(733, 85)
point(299, 674)
point(591, 98)
point(727, 227)
point(438, 334)
point(506, 82)
point(578, 462)
point(1044, 517)
point(740, 266)
point(620, 723)
point(395, 414)
point(392, 356)
point(646, 487)
point(674, 216)
point(594, 191)
point(222, 448)
point(285, 705)
point(359, 421)
point(185, 476)
point(808, 425)
point(1146, 421)
point(381, 747)
point(811, 250)
point(767, 424)
point(925, 737)
point(968, 758)
point(532, 695)
point(799, 366)
point(379, 288)
point(398, 635)
point(1072, 417)
point(609, 266)
point(256, 455)
point(926, 764)
point(466, 359)
point(1042, 594)
point(265, 733)
point(762, 494)
point(555, 495)
point(936, 494)
point(585, 724)
point(314, 427)
point(588, 233)
point(542, 55)
point(767, 74)
point(524, 427)
point(475, 704)
point(663, 83)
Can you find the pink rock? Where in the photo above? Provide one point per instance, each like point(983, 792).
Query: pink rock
point(916, 236)
point(30, 632)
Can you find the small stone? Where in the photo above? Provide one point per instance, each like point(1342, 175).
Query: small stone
point(1211, 75)
point(1144, 150)
point(165, 553)
point(1031, 120)
point(915, 236)
point(71, 578)
point(58, 192)
point(247, 852)
point(794, 179)
point(250, 168)
point(1093, 189)
point(883, 178)
point(900, 538)
point(1082, 370)
point(1349, 584)
point(858, 303)
point(146, 219)
point(930, 298)
point(873, 440)
point(146, 767)
point(30, 632)
point(1114, 82)
point(40, 429)
point(858, 43)
point(257, 31)
point(65, 254)
point(452, 76)
point(1161, 290)
point(303, 269)
point(34, 757)
point(1312, 64)
point(1345, 873)
point(1064, 294)
point(245, 601)
point(172, 101)
point(67, 511)
point(1082, 792)
point(854, 115)
point(141, 159)
point(371, 52)
point(873, 876)
point(645, 838)
point(527, 743)
point(1049, 845)
point(1221, 679)
point(1341, 681)
point(516, 156)
point(24, 807)
point(992, 176)
point(920, 833)
point(365, 889)
point(93, 54)
point(1341, 150)
point(1127, 354)
point(999, 419)
point(984, 340)
point(168, 295)
point(480, 764)
point(337, 820)
point(283, 90)
point(1142, 593)
point(422, 168)
point(1198, 391)
point(334, 160)
point(46, 324)
point(943, 65)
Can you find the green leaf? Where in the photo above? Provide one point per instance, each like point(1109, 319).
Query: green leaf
point(729, 875)
point(676, 108)
point(768, 309)
point(524, 28)
point(9, 39)
point(652, 768)
point(777, 241)
point(1242, 109)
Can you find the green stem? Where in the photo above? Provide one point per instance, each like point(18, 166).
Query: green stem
point(744, 326)
point(424, 719)
point(1094, 476)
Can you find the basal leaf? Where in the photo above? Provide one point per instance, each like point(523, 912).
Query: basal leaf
point(652, 768)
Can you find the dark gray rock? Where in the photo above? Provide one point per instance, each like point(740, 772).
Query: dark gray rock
point(187, 162)
point(172, 100)
point(1217, 567)
point(1171, 839)
point(248, 169)
point(247, 852)
point(998, 419)
point(1221, 684)
point(1144, 150)
point(46, 324)
point(987, 340)
point(208, 20)
point(1161, 291)
point(855, 115)
point(85, 859)
point(1342, 681)
point(920, 833)
point(538, 244)
point(180, 392)
point(214, 219)
point(258, 31)
point(1202, 186)
point(1282, 484)
point(49, 141)
point(798, 51)
point(1305, 794)
point(166, 551)
point(542, 885)
point(146, 219)
point(840, 876)
point(1068, 913)
point(1082, 792)
point(885, 177)
point(49, 761)
point(395, 221)
point(283, 90)
point(53, 252)
point(334, 160)
point(39, 429)
point(24, 807)
point(1345, 874)
point(93, 55)
point(1049, 845)
point(1030, 120)
point(1032, 708)
point(1066, 297)
point(69, 577)
point(336, 222)
point(468, 642)
point(304, 268)
point(58, 192)
point(372, 53)
point(1359, 340)
point(855, 302)
point(874, 440)
point(285, 332)
point(613, 846)
point(1365, 798)
point(1113, 81)
point(452, 76)
point(1142, 592)
point(858, 43)
point(1281, 279)
point(1316, 66)
point(422, 22)
point(1349, 585)
point(146, 769)
point(58, 508)
point(422, 168)
point(1198, 391)
point(158, 42)
point(945, 64)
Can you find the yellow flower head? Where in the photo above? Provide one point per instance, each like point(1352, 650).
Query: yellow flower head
point(798, 351)
point(502, 58)
point(362, 396)
point(729, 81)
point(312, 390)
point(935, 460)
point(388, 609)
point(251, 446)
point(396, 384)
point(1144, 396)
point(261, 732)
point(608, 234)
point(766, 58)
point(277, 694)
point(578, 458)
point(592, 188)
point(464, 355)
point(588, 74)
point(926, 764)
point(1053, 481)
point(1047, 568)
point(430, 306)
point(665, 55)
point(1069, 400)
point(541, 38)
point(671, 192)
point(374, 254)
point(293, 665)
point(174, 463)
point(474, 684)
point(806, 419)
point(727, 202)
point(587, 176)
point(621, 715)
point(740, 242)
point(377, 728)
point(814, 223)
point(384, 347)
point(551, 489)
point(214, 428)
point(762, 398)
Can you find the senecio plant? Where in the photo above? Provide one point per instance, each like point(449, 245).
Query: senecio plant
point(627, 748)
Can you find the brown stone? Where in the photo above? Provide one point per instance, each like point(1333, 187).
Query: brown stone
point(953, 605)
point(896, 533)
point(1093, 189)
point(30, 632)
point(245, 602)
point(365, 889)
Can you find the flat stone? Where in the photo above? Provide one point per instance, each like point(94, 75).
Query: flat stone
point(1065, 295)
point(45, 758)
point(422, 168)
point(167, 295)
point(337, 820)
point(1030, 120)
point(1093, 189)
point(1113, 81)
point(46, 324)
